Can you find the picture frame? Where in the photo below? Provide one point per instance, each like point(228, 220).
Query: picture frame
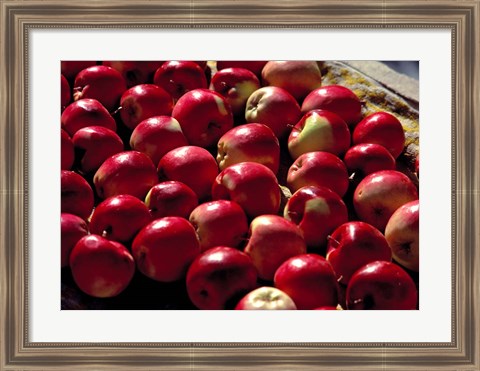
point(19, 17)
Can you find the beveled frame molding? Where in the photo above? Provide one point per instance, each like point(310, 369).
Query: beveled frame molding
point(17, 18)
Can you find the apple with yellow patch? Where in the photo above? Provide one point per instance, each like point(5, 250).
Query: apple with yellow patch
point(266, 298)
point(204, 116)
point(236, 85)
point(402, 235)
point(319, 130)
point(317, 211)
point(272, 241)
point(299, 78)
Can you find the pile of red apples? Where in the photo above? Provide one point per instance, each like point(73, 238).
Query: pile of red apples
point(249, 184)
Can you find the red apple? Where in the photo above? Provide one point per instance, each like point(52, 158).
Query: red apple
point(119, 218)
point(204, 116)
point(70, 69)
point(179, 77)
point(67, 151)
point(249, 143)
point(254, 66)
point(219, 223)
point(219, 277)
point(191, 165)
point(309, 280)
point(379, 194)
point(93, 145)
point(401, 233)
point(76, 194)
point(171, 198)
point(266, 298)
point(128, 172)
point(274, 107)
point(253, 186)
point(73, 228)
point(367, 158)
point(135, 72)
point(101, 268)
point(337, 99)
point(317, 211)
point(142, 102)
point(86, 112)
point(299, 78)
point(381, 128)
point(165, 248)
point(156, 136)
point(354, 244)
point(102, 83)
point(381, 285)
point(319, 169)
point(236, 85)
point(272, 241)
point(65, 94)
point(319, 130)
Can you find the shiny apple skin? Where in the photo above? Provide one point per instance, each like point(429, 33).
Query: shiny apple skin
point(381, 128)
point(204, 116)
point(96, 143)
point(219, 277)
point(102, 83)
point(179, 77)
point(309, 280)
point(317, 211)
point(192, 165)
point(119, 218)
point(219, 223)
point(253, 186)
point(156, 136)
point(266, 298)
point(171, 198)
point(274, 107)
point(76, 194)
point(254, 66)
point(320, 169)
point(337, 99)
point(367, 158)
point(128, 172)
point(319, 130)
point(249, 143)
point(67, 152)
point(299, 78)
point(143, 101)
point(379, 194)
point(402, 234)
point(70, 69)
point(135, 72)
point(236, 85)
point(354, 244)
point(86, 112)
point(101, 268)
point(273, 240)
point(381, 285)
point(165, 248)
point(73, 228)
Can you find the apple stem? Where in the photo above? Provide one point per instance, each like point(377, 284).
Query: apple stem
point(330, 238)
point(294, 128)
point(117, 110)
point(340, 278)
point(352, 176)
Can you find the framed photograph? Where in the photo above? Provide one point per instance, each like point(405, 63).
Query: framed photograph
point(40, 328)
